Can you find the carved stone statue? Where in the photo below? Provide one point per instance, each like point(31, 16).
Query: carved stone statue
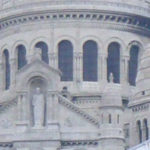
point(38, 108)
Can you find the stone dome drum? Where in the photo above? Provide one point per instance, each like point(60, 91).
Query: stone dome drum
point(89, 60)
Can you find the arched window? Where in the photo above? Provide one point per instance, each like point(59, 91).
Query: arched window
point(90, 59)
point(6, 69)
point(109, 119)
point(139, 130)
point(146, 129)
point(21, 54)
point(44, 48)
point(133, 64)
point(113, 62)
point(65, 60)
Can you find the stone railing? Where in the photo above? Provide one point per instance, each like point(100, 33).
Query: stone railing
point(64, 101)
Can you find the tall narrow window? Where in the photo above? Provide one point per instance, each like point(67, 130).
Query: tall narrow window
point(102, 117)
point(146, 129)
point(113, 62)
point(118, 119)
point(44, 48)
point(139, 131)
point(133, 64)
point(65, 60)
point(21, 51)
point(90, 56)
point(109, 119)
point(7, 69)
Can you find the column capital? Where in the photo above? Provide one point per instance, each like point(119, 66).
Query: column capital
point(78, 54)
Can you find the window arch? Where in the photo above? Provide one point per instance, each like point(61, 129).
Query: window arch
point(44, 49)
point(133, 64)
point(139, 131)
point(65, 60)
point(90, 61)
point(21, 56)
point(146, 130)
point(113, 61)
point(6, 69)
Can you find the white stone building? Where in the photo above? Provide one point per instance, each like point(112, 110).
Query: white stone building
point(74, 74)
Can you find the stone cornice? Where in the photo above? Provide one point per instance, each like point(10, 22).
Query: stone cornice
point(102, 19)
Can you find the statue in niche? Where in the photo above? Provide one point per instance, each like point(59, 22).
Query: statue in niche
point(38, 104)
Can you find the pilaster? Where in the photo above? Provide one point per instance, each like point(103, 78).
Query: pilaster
point(103, 67)
point(22, 113)
point(124, 70)
point(13, 69)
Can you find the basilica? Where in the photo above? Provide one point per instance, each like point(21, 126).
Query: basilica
point(74, 74)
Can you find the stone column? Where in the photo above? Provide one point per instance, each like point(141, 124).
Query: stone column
point(52, 113)
point(78, 66)
point(55, 60)
point(55, 105)
point(103, 67)
point(52, 60)
point(13, 69)
point(22, 114)
point(2, 69)
point(50, 108)
point(99, 67)
point(124, 70)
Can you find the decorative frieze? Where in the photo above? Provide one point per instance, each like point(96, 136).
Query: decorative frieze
point(126, 22)
point(79, 143)
point(139, 108)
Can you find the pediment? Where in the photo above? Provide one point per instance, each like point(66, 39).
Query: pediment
point(37, 68)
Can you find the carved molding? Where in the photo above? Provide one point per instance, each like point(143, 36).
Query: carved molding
point(79, 143)
point(6, 145)
point(136, 24)
point(139, 108)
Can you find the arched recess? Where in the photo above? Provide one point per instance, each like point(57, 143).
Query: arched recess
point(90, 61)
point(40, 83)
point(44, 50)
point(21, 56)
point(65, 60)
point(139, 131)
point(113, 61)
point(133, 64)
point(6, 69)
